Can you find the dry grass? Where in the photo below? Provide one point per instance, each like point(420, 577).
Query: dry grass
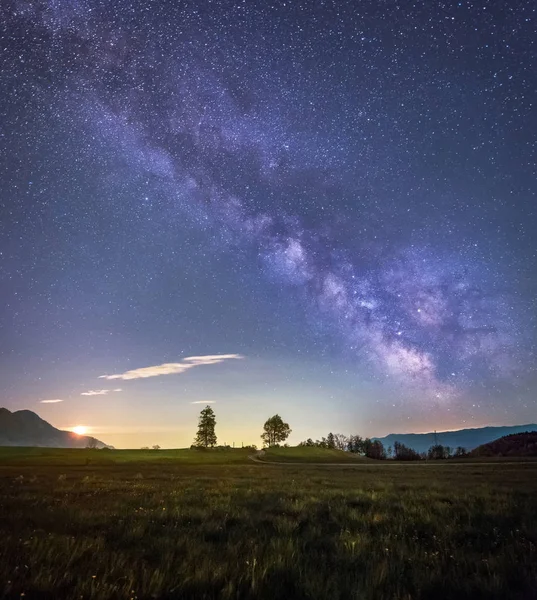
point(241, 530)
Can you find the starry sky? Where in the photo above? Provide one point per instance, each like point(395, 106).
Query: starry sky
point(325, 209)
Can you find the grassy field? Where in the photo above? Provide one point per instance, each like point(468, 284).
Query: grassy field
point(84, 457)
point(307, 454)
point(204, 525)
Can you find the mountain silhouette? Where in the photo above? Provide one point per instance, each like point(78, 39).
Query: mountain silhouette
point(515, 444)
point(25, 428)
point(467, 438)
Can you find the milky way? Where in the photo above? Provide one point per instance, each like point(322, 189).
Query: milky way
point(374, 162)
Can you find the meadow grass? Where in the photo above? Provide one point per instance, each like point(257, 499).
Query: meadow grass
point(311, 454)
point(234, 529)
point(83, 456)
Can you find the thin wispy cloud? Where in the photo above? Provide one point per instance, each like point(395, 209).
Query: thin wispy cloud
point(99, 392)
point(203, 402)
point(54, 401)
point(173, 368)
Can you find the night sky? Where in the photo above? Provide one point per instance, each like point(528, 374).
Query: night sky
point(322, 209)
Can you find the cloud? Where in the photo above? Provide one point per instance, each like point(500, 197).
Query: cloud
point(99, 392)
point(203, 402)
point(173, 368)
point(55, 401)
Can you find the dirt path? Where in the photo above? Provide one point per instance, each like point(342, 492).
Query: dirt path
point(260, 453)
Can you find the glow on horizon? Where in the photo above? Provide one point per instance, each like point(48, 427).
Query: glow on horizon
point(80, 429)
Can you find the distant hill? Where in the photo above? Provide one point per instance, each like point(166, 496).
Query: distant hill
point(516, 444)
point(308, 454)
point(25, 428)
point(467, 438)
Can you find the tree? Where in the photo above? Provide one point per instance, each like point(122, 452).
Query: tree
point(156, 447)
point(402, 452)
point(460, 452)
point(436, 452)
point(356, 444)
point(275, 431)
point(331, 441)
point(206, 436)
point(341, 441)
point(374, 449)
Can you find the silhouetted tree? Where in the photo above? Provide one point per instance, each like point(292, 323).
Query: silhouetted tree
point(402, 452)
point(460, 452)
point(374, 449)
point(436, 452)
point(341, 441)
point(156, 447)
point(275, 431)
point(331, 441)
point(356, 444)
point(206, 436)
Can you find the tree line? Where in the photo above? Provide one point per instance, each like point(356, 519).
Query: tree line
point(276, 431)
point(375, 448)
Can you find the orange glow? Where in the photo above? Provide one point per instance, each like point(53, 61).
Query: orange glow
point(80, 429)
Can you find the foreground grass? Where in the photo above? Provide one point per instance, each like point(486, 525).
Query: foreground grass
point(244, 530)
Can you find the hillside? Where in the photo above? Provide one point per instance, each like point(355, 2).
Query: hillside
point(305, 454)
point(25, 428)
point(516, 444)
point(467, 438)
